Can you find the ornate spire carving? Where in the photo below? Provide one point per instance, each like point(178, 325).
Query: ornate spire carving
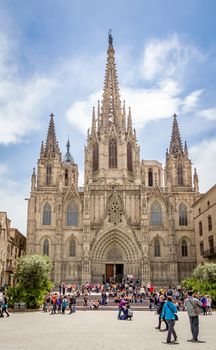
point(68, 157)
point(51, 146)
point(111, 104)
point(175, 143)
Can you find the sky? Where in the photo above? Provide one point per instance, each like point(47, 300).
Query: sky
point(52, 59)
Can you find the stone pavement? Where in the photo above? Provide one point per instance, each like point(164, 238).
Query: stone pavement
point(94, 330)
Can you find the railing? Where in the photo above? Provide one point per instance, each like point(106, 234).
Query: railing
point(210, 253)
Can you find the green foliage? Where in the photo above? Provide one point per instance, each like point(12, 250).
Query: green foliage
point(203, 280)
point(32, 274)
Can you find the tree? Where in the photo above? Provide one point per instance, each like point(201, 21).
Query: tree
point(203, 280)
point(32, 274)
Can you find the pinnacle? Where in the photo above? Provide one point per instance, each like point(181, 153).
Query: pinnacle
point(175, 143)
point(68, 157)
point(51, 144)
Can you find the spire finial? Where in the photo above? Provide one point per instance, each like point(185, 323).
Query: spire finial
point(110, 38)
point(68, 157)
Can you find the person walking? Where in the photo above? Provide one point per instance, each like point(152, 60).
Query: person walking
point(159, 312)
point(194, 307)
point(169, 314)
point(5, 305)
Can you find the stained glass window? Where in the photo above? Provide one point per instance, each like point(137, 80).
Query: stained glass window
point(184, 248)
point(72, 214)
point(46, 247)
point(47, 214)
point(183, 215)
point(150, 177)
point(112, 154)
point(95, 163)
point(129, 157)
point(157, 250)
point(72, 251)
point(156, 214)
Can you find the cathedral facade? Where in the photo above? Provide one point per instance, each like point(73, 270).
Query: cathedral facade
point(133, 218)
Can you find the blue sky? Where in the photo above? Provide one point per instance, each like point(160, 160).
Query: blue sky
point(52, 59)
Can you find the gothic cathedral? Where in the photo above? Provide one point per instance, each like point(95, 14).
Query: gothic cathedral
point(132, 218)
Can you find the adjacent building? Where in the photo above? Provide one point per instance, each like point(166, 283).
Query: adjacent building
point(12, 246)
point(132, 218)
point(205, 226)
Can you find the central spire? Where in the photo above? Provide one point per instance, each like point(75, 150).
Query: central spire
point(175, 143)
point(111, 104)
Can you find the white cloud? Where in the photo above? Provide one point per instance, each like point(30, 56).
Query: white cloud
point(209, 113)
point(20, 98)
point(168, 58)
point(12, 199)
point(192, 101)
point(204, 159)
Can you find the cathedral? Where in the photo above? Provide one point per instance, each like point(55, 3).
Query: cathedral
point(132, 219)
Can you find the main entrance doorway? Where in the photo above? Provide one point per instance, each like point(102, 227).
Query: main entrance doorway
point(114, 272)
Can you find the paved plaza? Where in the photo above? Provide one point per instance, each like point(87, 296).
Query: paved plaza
point(98, 330)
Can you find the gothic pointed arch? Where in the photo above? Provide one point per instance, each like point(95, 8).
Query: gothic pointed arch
point(183, 216)
point(47, 214)
point(113, 153)
point(180, 178)
point(156, 214)
point(95, 157)
point(46, 247)
point(129, 157)
point(116, 237)
point(72, 214)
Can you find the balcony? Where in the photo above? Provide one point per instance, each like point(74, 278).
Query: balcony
point(210, 253)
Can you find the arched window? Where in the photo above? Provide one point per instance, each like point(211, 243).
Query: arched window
point(46, 247)
point(112, 154)
point(180, 174)
point(66, 177)
point(183, 215)
point(72, 214)
point(157, 250)
point(156, 214)
point(150, 177)
point(129, 157)
point(184, 248)
point(95, 162)
point(48, 174)
point(47, 214)
point(72, 251)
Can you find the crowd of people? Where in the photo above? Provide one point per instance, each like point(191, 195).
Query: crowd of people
point(166, 302)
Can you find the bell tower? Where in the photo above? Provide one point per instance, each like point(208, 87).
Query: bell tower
point(178, 165)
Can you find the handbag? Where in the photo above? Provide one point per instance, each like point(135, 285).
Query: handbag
point(175, 315)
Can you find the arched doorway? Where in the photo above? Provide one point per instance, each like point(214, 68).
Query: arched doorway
point(114, 264)
point(115, 255)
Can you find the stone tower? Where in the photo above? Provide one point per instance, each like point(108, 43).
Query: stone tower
point(132, 219)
